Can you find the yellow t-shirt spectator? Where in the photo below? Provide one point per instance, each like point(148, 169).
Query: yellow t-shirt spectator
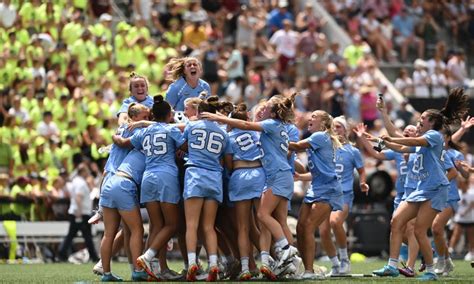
point(193, 37)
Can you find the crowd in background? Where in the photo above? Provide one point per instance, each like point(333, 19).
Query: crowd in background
point(64, 70)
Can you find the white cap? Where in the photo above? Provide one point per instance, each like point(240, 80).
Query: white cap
point(420, 63)
point(105, 17)
point(283, 3)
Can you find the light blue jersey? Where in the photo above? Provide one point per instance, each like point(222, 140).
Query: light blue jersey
point(117, 154)
point(206, 144)
point(429, 171)
point(148, 102)
point(429, 162)
point(293, 136)
point(325, 188)
point(322, 162)
point(348, 158)
point(245, 183)
point(274, 141)
point(179, 91)
point(159, 143)
point(453, 156)
point(134, 165)
point(402, 169)
point(244, 145)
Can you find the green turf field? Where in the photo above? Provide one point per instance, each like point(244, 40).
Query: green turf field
point(69, 273)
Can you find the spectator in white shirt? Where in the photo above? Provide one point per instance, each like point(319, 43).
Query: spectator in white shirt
point(439, 84)
point(79, 212)
point(8, 14)
point(235, 65)
point(457, 70)
point(285, 42)
point(404, 83)
point(436, 62)
point(47, 127)
point(20, 114)
point(421, 79)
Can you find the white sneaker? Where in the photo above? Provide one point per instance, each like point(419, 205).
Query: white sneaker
point(285, 271)
point(449, 267)
point(345, 266)
point(469, 256)
point(335, 271)
point(298, 263)
point(312, 276)
point(202, 276)
point(98, 269)
point(439, 267)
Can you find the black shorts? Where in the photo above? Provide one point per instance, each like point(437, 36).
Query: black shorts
point(466, 225)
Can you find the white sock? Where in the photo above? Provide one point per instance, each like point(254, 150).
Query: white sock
point(265, 256)
point(191, 258)
point(149, 254)
point(212, 260)
point(281, 243)
point(244, 261)
point(132, 268)
point(430, 268)
point(335, 261)
point(343, 253)
point(393, 262)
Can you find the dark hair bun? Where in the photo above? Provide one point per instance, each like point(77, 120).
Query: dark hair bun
point(212, 100)
point(158, 99)
point(241, 107)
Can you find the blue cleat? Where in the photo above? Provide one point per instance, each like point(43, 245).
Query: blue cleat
point(140, 276)
point(109, 277)
point(428, 276)
point(387, 270)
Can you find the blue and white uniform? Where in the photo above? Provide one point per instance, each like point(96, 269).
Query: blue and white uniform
point(453, 193)
point(122, 192)
point(160, 180)
point(325, 186)
point(245, 183)
point(348, 158)
point(148, 102)
point(401, 165)
point(179, 91)
point(274, 142)
point(430, 171)
point(207, 143)
point(117, 154)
